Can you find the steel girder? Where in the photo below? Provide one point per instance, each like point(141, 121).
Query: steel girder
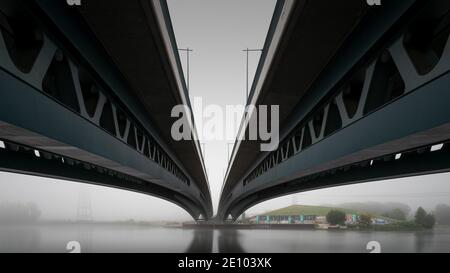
point(390, 101)
point(78, 119)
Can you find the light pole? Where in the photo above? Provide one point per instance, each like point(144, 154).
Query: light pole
point(188, 51)
point(247, 50)
point(232, 143)
point(203, 147)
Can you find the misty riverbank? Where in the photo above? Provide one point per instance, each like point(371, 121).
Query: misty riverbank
point(93, 223)
point(400, 226)
point(138, 238)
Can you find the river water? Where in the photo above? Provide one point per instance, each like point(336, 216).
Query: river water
point(133, 238)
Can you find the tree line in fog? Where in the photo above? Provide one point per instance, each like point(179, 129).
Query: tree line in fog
point(399, 211)
point(14, 213)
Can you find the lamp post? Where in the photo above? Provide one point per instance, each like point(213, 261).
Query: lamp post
point(247, 50)
point(188, 51)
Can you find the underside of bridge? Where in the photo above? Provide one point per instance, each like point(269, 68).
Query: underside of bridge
point(86, 95)
point(363, 96)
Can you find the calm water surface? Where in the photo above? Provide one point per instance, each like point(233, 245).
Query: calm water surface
point(131, 238)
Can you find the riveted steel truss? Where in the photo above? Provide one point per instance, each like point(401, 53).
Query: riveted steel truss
point(397, 71)
point(55, 105)
point(388, 106)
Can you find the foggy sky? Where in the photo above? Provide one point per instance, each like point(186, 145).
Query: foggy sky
point(217, 31)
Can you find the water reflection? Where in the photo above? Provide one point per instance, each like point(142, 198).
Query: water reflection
point(229, 241)
point(423, 241)
point(134, 238)
point(19, 238)
point(84, 237)
point(202, 241)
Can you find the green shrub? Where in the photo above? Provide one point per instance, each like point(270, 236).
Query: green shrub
point(336, 217)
